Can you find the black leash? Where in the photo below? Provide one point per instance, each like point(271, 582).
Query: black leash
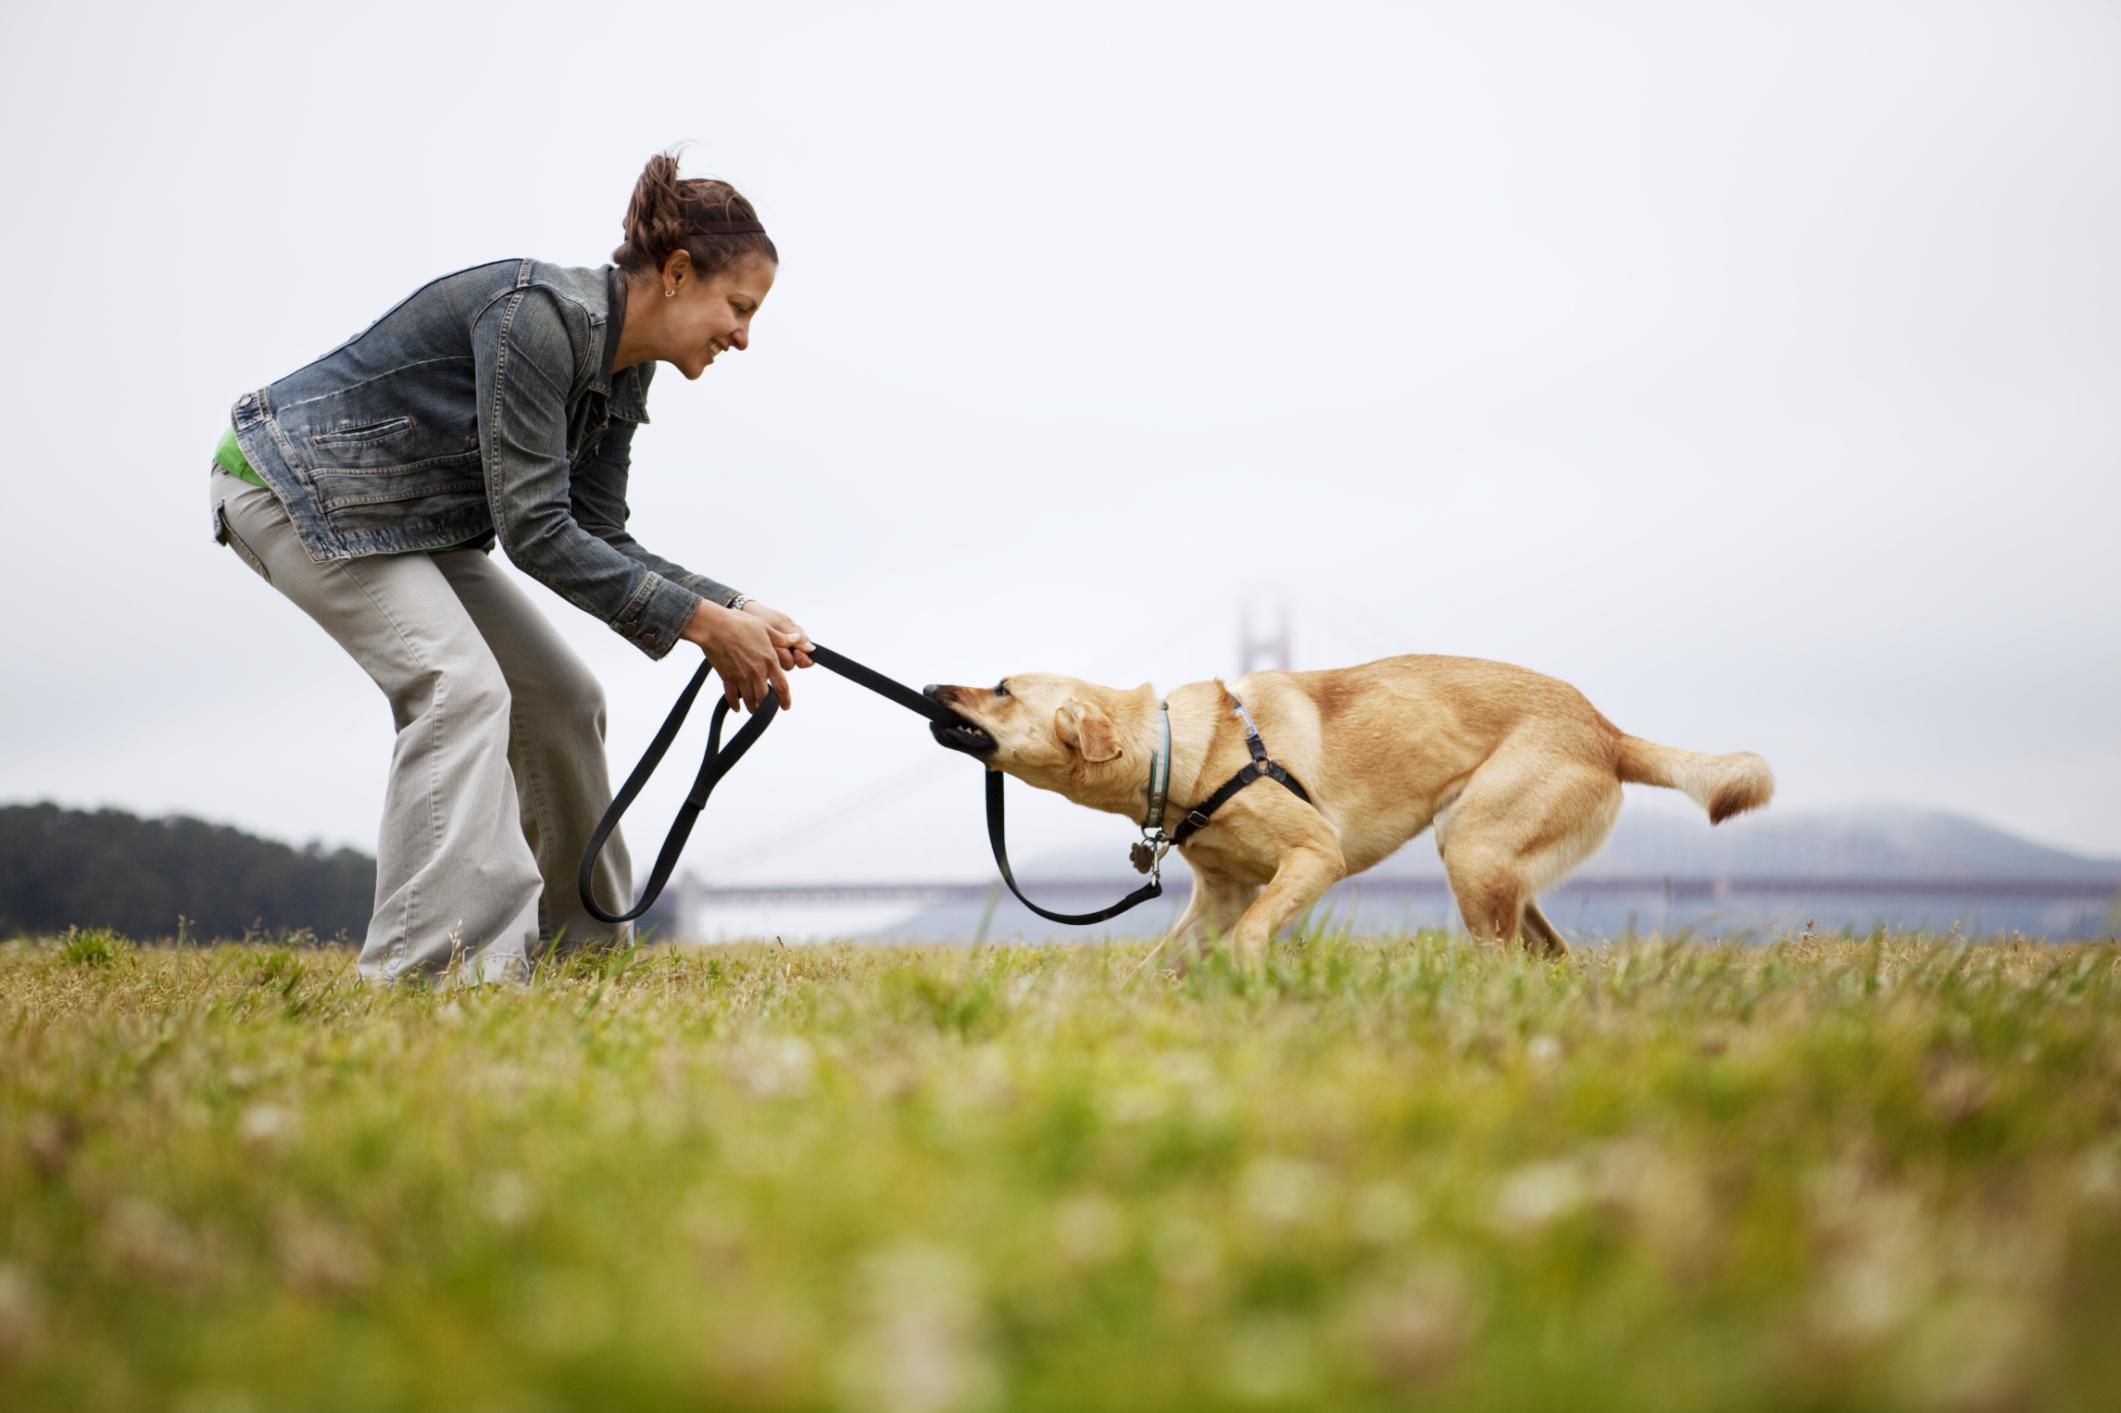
point(1154, 888)
point(712, 769)
point(718, 763)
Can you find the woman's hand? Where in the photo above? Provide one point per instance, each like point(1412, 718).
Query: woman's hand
point(788, 635)
point(745, 651)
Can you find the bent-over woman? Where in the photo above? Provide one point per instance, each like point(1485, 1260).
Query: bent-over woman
point(499, 405)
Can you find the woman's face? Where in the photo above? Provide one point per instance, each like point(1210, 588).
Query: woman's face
point(707, 318)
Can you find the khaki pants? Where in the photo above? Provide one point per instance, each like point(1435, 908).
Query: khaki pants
point(498, 774)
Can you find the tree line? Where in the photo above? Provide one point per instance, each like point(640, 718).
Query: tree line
point(63, 868)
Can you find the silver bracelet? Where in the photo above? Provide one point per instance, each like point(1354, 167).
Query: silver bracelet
point(738, 602)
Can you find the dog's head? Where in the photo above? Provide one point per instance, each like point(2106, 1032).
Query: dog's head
point(1057, 733)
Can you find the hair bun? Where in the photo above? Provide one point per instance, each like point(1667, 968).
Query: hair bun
point(708, 219)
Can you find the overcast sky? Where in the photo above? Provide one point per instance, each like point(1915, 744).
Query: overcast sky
point(1756, 368)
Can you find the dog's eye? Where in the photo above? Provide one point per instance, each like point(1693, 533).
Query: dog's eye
point(1001, 689)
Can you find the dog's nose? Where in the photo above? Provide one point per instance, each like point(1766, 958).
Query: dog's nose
point(932, 692)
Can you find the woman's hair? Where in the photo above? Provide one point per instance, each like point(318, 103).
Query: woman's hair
point(709, 220)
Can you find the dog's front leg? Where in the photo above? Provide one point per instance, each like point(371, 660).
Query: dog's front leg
point(1214, 909)
point(1305, 873)
point(1192, 925)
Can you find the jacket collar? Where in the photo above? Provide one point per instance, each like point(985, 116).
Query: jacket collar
point(627, 389)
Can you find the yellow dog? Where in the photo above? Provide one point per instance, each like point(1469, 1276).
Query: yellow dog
point(1518, 772)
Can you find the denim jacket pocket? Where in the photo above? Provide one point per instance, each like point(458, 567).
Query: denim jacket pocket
point(365, 432)
point(379, 498)
point(393, 444)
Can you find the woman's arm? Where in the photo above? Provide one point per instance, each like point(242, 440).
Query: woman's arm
point(524, 361)
point(598, 499)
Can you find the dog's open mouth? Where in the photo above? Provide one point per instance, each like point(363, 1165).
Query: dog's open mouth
point(962, 735)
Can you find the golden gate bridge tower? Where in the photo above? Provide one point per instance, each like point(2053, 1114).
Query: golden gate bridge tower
point(1260, 651)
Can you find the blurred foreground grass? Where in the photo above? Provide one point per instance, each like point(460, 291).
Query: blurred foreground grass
point(1822, 1174)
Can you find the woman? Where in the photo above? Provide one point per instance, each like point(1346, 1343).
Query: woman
point(499, 404)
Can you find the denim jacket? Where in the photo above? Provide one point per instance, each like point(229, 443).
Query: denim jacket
point(483, 404)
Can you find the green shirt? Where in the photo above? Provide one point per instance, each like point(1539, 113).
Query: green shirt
point(229, 457)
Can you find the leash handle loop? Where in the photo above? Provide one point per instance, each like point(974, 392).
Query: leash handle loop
point(713, 766)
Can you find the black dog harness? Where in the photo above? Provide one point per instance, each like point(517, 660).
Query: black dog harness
point(1260, 767)
point(1148, 854)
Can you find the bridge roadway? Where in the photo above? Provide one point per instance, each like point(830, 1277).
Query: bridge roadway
point(1042, 889)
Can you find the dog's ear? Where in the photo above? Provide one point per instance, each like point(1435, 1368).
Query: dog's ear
point(1085, 728)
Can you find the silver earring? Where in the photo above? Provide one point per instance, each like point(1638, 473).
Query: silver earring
point(670, 293)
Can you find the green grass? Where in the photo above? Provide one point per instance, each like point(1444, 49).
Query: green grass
point(1822, 1174)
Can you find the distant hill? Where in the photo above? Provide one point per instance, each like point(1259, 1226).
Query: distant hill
point(1670, 836)
point(1659, 837)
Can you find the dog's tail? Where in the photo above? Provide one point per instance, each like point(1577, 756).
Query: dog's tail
point(1722, 785)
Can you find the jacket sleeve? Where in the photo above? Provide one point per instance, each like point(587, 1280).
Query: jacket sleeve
point(598, 497)
point(524, 365)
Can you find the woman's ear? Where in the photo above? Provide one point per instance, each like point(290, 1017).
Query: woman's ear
point(1084, 728)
